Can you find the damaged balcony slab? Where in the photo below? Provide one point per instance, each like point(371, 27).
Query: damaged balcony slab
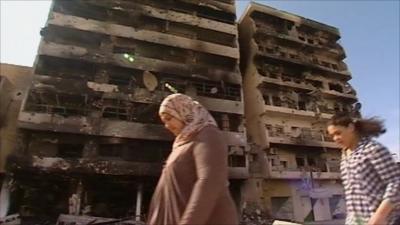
point(297, 62)
point(275, 110)
point(215, 5)
point(83, 166)
point(139, 95)
point(294, 175)
point(311, 143)
point(143, 35)
point(97, 166)
point(307, 87)
point(336, 53)
point(255, 7)
point(64, 219)
point(141, 63)
point(105, 127)
point(92, 126)
point(169, 15)
point(290, 141)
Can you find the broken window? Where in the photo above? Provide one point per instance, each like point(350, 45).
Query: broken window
point(276, 101)
point(267, 100)
point(279, 130)
point(269, 129)
point(302, 105)
point(270, 50)
point(228, 121)
point(337, 107)
point(236, 157)
point(70, 150)
point(316, 83)
point(300, 161)
point(336, 87)
point(335, 67)
point(311, 162)
point(286, 78)
point(293, 56)
point(306, 133)
point(110, 150)
point(325, 64)
point(272, 162)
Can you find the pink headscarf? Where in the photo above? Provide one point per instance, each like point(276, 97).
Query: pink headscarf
point(192, 113)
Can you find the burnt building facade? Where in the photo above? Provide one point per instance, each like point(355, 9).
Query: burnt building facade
point(294, 80)
point(14, 82)
point(90, 141)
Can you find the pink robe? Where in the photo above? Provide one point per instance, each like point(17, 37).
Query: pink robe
point(193, 188)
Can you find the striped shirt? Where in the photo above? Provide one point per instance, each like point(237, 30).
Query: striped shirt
point(369, 175)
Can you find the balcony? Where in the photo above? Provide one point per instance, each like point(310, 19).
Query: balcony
point(278, 172)
point(303, 85)
point(301, 40)
point(279, 53)
point(101, 166)
point(277, 110)
point(303, 137)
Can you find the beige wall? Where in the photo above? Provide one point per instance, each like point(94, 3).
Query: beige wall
point(18, 80)
point(299, 199)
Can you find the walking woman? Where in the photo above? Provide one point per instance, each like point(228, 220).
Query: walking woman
point(193, 187)
point(370, 176)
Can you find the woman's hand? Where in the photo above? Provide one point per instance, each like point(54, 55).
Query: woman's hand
point(377, 219)
point(381, 214)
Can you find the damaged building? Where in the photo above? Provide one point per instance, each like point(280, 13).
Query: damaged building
point(80, 132)
point(294, 80)
point(89, 139)
point(14, 82)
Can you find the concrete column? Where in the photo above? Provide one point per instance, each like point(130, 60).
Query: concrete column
point(75, 201)
point(139, 196)
point(4, 198)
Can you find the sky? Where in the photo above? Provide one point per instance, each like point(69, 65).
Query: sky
point(369, 30)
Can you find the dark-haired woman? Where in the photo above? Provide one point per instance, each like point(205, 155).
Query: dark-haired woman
point(370, 176)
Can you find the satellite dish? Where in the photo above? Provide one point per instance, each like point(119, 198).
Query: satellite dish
point(214, 90)
point(150, 81)
point(357, 106)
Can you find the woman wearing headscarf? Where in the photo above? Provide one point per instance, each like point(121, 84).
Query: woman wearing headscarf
point(193, 187)
point(370, 176)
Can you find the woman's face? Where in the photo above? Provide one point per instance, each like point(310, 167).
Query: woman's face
point(172, 124)
point(342, 135)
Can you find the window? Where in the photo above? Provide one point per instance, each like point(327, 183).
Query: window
point(279, 129)
point(316, 83)
point(110, 150)
point(336, 87)
point(300, 162)
point(70, 150)
point(311, 162)
point(302, 105)
point(277, 101)
point(267, 100)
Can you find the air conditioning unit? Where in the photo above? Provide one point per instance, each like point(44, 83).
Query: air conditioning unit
point(295, 133)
